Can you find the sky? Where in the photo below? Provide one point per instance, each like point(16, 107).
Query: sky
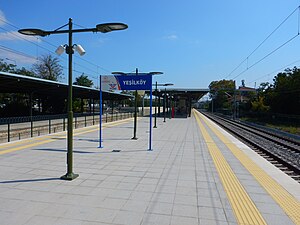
point(192, 42)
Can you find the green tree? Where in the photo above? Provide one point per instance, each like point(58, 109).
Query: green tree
point(6, 67)
point(284, 95)
point(11, 68)
point(48, 68)
point(80, 104)
point(23, 71)
point(83, 80)
point(258, 105)
point(222, 93)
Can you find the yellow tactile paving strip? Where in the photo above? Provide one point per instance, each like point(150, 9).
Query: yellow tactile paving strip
point(286, 201)
point(28, 143)
point(243, 207)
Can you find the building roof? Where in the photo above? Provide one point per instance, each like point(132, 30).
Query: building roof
point(242, 88)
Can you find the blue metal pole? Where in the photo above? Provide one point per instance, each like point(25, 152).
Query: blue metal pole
point(100, 116)
point(150, 133)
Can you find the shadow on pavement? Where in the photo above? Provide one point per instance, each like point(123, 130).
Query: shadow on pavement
point(28, 180)
point(62, 150)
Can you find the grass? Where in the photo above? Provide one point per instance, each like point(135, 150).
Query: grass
point(290, 128)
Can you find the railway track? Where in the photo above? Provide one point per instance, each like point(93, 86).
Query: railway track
point(283, 152)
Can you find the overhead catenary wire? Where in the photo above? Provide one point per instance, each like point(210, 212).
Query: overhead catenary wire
point(52, 52)
point(17, 52)
point(3, 48)
point(274, 71)
point(247, 58)
point(254, 64)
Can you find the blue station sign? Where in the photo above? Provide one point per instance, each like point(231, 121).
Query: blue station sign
point(132, 82)
point(135, 82)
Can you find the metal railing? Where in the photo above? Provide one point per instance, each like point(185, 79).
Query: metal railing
point(17, 128)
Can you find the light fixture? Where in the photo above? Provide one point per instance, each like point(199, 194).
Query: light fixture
point(34, 32)
point(60, 50)
point(79, 49)
point(108, 27)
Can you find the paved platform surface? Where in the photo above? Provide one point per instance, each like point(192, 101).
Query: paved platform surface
point(180, 182)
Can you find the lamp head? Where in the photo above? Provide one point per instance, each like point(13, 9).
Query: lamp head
point(155, 73)
point(80, 50)
point(108, 27)
point(119, 73)
point(60, 50)
point(34, 32)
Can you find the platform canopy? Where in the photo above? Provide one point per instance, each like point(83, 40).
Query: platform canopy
point(14, 83)
point(192, 94)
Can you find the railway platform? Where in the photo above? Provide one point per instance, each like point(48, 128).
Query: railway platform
point(195, 174)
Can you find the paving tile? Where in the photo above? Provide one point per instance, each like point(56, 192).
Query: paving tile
point(185, 210)
point(149, 180)
point(186, 183)
point(180, 220)
point(186, 191)
point(160, 208)
point(141, 195)
point(57, 210)
point(112, 203)
point(146, 187)
point(62, 221)
point(120, 194)
point(126, 186)
point(101, 215)
point(277, 219)
point(166, 189)
point(185, 200)
point(214, 222)
point(128, 218)
point(163, 197)
point(136, 206)
point(12, 218)
point(210, 213)
point(209, 202)
point(156, 219)
point(38, 220)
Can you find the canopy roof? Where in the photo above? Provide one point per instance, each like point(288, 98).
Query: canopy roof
point(192, 94)
point(14, 83)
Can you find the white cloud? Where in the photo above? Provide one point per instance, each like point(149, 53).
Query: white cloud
point(14, 35)
point(171, 37)
point(11, 57)
point(2, 18)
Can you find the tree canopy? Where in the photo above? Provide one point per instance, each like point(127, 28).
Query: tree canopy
point(48, 68)
point(11, 68)
point(83, 80)
point(284, 95)
point(222, 94)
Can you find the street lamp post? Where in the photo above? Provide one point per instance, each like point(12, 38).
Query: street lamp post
point(234, 103)
point(135, 108)
point(155, 105)
point(164, 109)
point(103, 28)
point(167, 84)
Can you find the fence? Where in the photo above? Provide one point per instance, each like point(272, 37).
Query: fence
point(17, 128)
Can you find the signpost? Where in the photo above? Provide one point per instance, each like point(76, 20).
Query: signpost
point(131, 82)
